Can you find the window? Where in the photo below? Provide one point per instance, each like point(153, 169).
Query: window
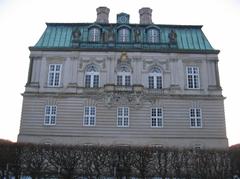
point(94, 34)
point(156, 117)
point(124, 77)
point(153, 36)
point(124, 35)
point(89, 118)
point(155, 79)
point(195, 117)
point(54, 75)
point(50, 115)
point(122, 117)
point(193, 77)
point(92, 77)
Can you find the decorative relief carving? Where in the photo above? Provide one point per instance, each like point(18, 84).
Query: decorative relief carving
point(120, 98)
point(84, 62)
point(149, 64)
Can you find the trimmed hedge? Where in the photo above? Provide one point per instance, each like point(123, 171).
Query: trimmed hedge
point(68, 162)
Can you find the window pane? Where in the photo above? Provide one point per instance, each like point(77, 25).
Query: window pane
point(150, 82)
point(159, 82)
point(123, 35)
point(127, 80)
point(95, 81)
point(94, 35)
point(193, 77)
point(50, 115)
point(159, 122)
point(87, 81)
point(119, 80)
point(126, 121)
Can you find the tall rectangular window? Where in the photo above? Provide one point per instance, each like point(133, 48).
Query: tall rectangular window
point(89, 118)
point(123, 35)
point(193, 81)
point(50, 115)
point(124, 79)
point(92, 78)
point(54, 75)
point(156, 117)
point(195, 117)
point(122, 116)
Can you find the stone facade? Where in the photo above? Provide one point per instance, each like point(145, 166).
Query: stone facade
point(108, 97)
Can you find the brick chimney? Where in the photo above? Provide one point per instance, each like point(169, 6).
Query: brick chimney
point(102, 15)
point(145, 15)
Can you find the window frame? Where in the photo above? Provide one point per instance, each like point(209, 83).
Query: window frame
point(193, 77)
point(93, 74)
point(195, 117)
point(52, 114)
point(124, 35)
point(156, 117)
point(155, 76)
point(124, 81)
point(153, 35)
point(123, 116)
point(94, 34)
point(53, 74)
point(87, 117)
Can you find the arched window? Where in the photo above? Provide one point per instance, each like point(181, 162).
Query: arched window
point(91, 77)
point(153, 35)
point(155, 79)
point(124, 76)
point(124, 35)
point(94, 34)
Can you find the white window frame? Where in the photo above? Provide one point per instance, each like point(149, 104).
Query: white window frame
point(123, 117)
point(93, 74)
point(155, 74)
point(50, 116)
point(94, 34)
point(124, 76)
point(88, 117)
point(195, 116)
point(124, 35)
point(153, 35)
point(158, 118)
point(54, 75)
point(193, 77)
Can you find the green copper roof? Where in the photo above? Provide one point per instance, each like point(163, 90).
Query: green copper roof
point(61, 36)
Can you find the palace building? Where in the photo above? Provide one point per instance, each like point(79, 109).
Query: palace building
point(123, 84)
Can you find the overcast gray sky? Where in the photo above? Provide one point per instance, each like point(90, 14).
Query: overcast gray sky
point(23, 22)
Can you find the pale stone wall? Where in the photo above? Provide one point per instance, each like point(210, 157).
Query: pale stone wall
point(175, 100)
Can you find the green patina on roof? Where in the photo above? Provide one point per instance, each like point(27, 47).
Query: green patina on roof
point(60, 36)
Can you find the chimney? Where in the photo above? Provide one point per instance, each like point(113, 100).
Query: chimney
point(102, 15)
point(145, 15)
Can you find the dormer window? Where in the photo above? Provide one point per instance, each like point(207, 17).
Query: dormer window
point(124, 35)
point(94, 34)
point(153, 35)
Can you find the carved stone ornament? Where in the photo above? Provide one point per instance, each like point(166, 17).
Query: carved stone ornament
point(123, 98)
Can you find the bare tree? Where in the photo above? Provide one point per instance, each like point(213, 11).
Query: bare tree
point(142, 159)
point(6, 158)
point(35, 162)
point(64, 160)
point(234, 155)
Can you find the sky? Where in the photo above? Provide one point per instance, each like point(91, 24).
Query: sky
point(22, 22)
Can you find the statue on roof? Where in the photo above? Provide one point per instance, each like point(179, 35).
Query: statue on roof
point(172, 36)
point(137, 34)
